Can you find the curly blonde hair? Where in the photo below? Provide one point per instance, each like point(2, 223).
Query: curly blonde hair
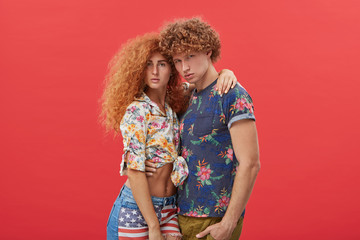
point(190, 35)
point(126, 80)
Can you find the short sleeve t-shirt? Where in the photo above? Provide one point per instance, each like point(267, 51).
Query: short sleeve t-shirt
point(207, 148)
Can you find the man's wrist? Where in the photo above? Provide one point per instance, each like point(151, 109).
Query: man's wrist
point(229, 222)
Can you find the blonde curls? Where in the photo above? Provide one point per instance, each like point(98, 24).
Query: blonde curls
point(125, 80)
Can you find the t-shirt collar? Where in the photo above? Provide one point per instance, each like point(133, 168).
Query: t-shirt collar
point(205, 89)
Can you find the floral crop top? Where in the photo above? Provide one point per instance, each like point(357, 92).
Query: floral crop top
point(148, 133)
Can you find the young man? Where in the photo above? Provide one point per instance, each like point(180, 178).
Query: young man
point(218, 138)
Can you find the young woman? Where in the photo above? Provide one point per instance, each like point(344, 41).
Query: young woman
point(142, 95)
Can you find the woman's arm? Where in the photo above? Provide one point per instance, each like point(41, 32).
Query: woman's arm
point(227, 80)
point(140, 189)
point(134, 129)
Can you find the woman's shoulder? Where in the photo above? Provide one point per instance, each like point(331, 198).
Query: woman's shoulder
point(138, 105)
point(136, 112)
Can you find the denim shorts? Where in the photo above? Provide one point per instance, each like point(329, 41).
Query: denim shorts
point(126, 221)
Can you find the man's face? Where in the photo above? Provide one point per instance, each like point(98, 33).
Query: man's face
point(193, 66)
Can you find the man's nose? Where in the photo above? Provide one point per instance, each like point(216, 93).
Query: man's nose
point(185, 66)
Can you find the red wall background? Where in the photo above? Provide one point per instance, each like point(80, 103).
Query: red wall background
point(298, 59)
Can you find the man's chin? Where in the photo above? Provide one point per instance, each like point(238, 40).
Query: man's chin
point(191, 81)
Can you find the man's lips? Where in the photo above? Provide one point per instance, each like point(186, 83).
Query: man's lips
point(189, 75)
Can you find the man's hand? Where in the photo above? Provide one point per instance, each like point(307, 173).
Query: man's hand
point(149, 168)
point(218, 231)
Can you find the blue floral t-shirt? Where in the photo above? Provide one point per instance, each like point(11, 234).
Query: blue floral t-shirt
point(207, 148)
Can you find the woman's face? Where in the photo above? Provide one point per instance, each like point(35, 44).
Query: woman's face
point(157, 72)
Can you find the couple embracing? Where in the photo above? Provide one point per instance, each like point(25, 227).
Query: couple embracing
point(190, 150)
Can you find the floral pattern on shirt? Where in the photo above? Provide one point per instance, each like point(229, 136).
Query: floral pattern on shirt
point(199, 211)
point(203, 174)
point(228, 154)
point(207, 148)
point(222, 200)
point(148, 133)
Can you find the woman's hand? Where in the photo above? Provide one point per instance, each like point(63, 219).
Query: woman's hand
point(155, 234)
point(227, 80)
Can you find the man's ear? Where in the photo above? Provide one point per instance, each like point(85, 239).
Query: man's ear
point(209, 53)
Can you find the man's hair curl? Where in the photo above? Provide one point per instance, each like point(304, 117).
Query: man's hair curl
point(190, 35)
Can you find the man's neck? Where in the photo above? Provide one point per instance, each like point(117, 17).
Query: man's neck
point(209, 77)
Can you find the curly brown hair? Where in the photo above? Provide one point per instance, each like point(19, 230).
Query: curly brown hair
point(190, 35)
point(125, 80)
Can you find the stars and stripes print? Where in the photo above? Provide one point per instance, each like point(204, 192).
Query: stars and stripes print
point(132, 224)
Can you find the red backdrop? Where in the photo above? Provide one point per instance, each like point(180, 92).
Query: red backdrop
point(298, 59)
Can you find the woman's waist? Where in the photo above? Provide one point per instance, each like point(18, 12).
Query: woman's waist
point(127, 195)
point(161, 186)
point(160, 183)
point(178, 169)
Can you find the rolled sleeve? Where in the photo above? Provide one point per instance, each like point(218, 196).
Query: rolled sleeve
point(238, 105)
point(133, 130)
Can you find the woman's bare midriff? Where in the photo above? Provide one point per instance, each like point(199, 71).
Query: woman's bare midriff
point(160, 184)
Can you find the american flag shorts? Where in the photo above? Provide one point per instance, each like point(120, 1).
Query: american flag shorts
point(127, 222)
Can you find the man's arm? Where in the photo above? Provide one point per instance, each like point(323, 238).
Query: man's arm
point(150, 168)
point(245, 143)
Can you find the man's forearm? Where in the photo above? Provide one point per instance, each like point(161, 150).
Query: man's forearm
point(243, 185)
point(244, 139)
